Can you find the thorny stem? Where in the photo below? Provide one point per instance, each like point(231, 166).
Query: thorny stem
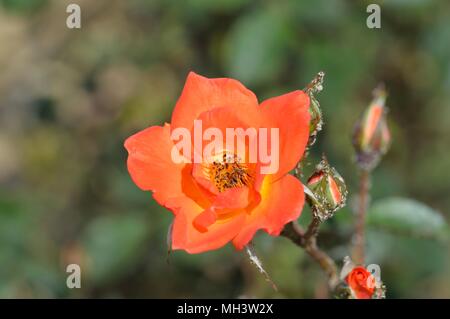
point(308, 241)
point(359, 239)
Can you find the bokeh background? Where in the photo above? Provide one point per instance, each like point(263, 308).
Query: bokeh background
point(69, 98)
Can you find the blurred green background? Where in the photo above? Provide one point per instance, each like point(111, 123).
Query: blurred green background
point(69, 98)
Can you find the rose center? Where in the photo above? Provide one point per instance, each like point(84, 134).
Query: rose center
point(227, 172)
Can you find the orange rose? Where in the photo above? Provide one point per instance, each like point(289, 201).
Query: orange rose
point(361, 282)
point(217, 201)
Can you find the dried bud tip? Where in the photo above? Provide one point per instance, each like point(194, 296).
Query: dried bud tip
point(316, 85)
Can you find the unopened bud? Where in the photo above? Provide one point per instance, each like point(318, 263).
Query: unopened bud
point(328, 188)
point(371, 136)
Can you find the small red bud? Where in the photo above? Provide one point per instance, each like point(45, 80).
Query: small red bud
point(361, 282)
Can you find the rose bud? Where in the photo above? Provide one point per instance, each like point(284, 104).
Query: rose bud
point(371, 136)
point(358, 282)
point(328, 188)
point(361, 282)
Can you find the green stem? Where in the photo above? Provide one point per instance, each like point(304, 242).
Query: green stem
point(359, 239)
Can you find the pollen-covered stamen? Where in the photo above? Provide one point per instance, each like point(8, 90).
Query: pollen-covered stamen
point(227, 172)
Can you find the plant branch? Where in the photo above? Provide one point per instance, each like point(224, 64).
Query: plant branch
point(313, 228)
point(308, 241)
point(359, 239)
